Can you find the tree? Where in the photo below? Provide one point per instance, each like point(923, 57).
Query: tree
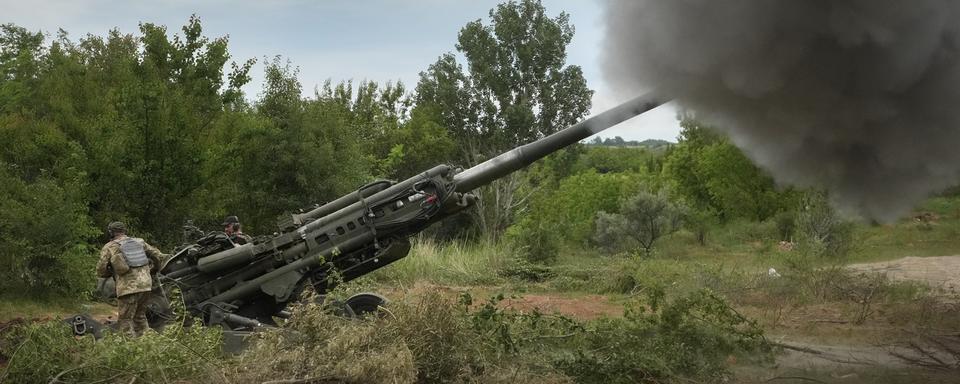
point(642, 220)
point(516, 89)
point(290, 153)
point(822, 230)
point(417, 145)
point(403, 139)
point(139, 107)
point(44, 232)
point(711, 174)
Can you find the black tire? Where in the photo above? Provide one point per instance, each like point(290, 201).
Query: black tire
point(366, 303)
point(159, 312)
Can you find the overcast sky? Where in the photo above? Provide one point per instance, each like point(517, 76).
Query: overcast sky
point(380, 40)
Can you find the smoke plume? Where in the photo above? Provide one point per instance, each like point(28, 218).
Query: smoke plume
point(861, 97)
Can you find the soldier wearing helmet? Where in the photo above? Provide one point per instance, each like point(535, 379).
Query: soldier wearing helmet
point(231, 226)
point(130, 261)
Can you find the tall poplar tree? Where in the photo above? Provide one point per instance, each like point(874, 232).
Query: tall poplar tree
point(516, 88)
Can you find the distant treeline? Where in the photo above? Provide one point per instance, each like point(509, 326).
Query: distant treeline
point(618, 141)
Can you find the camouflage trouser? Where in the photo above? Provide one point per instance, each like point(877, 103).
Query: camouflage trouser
point(132, 315)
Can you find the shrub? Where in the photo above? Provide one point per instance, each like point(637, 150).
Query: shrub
point(642, 220)
point(786, 225)
point(659, 340)
point(44, 230)
point(524, 270)
point(48, 352)
point(570, 209)
point(699, 223)
point(821, 230)
point(431, 339)
point(535, 241)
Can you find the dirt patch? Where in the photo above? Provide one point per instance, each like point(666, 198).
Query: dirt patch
point(938, 271)
point(583, 307)
point(807, 355)
point(580, 307)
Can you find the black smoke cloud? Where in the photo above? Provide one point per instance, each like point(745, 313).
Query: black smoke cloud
point(861, 97)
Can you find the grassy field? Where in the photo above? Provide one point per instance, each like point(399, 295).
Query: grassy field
point(472, 312)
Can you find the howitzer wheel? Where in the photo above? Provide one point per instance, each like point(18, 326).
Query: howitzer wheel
point(159, 312)
point(365, 303)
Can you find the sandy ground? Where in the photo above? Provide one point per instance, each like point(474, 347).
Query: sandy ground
point(939, 272)
point(849, 362)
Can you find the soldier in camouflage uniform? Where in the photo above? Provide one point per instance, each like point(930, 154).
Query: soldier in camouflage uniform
point(130, 261)
point(231, 226)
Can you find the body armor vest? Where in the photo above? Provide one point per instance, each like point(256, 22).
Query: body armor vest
point(133, 252)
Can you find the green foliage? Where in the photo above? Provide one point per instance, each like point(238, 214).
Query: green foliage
point(618, 160)
point(43, 231)
point(525, 270)
point(516, 333)
point(643, 219)
point(418, 145)
point(20, 51)
point(821, 230)
point(516, 89)
point(133, 109)
point(572, 207)
point(711, 174)
point(451, 262)
point(617, 141)
point(786, 225)
point(699, 222)
point(430, 339)
point(534, 242)
point(662, 339)
point(48, 352)
point(290, 154)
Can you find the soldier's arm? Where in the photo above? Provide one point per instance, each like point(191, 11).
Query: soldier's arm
point(103, 263)
point(120, 266)
point(154, 254)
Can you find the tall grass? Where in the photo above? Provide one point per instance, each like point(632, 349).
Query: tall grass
point(454, 263)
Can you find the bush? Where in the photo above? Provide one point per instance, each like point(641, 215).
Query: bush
point(524, 270)
point(786, 225)
point(821, 230)
point(534, 241)
point(317, 345)
point(42, 352)
point(642, 220)
point(699, 223)
point(44, 228)
point(570, 209)
point(659, 340)
point(431, 339)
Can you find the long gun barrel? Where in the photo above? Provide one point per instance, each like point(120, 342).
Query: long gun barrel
point(522, 156)
point(239, 285)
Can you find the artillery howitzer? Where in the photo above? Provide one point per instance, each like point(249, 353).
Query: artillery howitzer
point(244, 286)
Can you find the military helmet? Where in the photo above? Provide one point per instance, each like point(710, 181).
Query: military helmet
point(117, 226)
point(231, 220)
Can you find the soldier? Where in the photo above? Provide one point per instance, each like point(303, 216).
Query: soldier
point(231, 226)
point(130, 261)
